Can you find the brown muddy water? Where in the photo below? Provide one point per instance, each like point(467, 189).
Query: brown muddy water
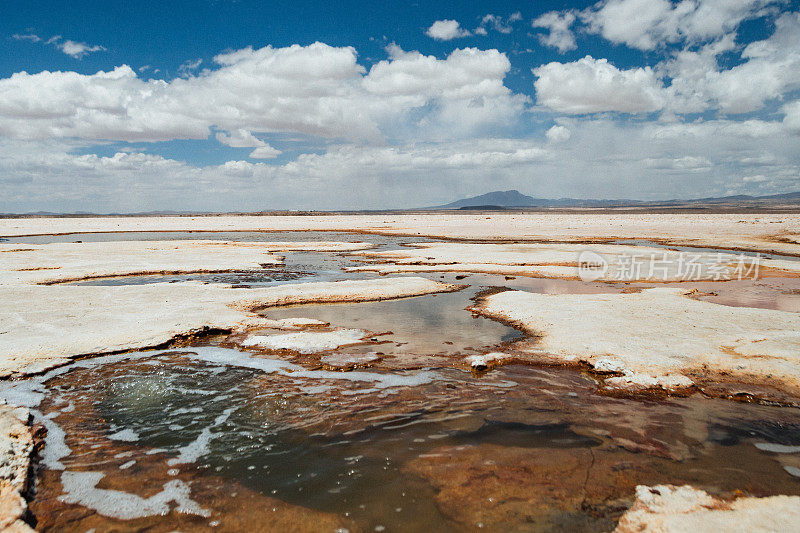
point(211, 437)
point(218, 439)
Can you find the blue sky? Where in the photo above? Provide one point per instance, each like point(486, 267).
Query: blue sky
point(235, 105)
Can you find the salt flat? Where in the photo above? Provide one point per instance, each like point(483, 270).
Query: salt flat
point(569, 261)
point(647, 339)
point(760, 232)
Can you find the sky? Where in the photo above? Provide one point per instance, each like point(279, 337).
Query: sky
point(224, 105)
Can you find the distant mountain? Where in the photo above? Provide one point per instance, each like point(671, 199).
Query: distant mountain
point(514, 198)
point(497, 198)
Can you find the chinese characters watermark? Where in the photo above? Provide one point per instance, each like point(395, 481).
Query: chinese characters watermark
point(667, 266)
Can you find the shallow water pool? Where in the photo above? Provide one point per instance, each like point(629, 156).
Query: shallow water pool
point(217, 438)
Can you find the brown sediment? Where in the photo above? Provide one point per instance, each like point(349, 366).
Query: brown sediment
point(769, 272)
point(555, 485)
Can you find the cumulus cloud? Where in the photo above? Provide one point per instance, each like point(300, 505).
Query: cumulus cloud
point(648, 24)
point(559, 24)
point(594, 85)
point(244, 139)
point(465, 73)
point(317, 90)
point(465, 91)
point(646, 159)
point(239, 139)
point(446, 30)
point(699, 84)
point(558, 134)
point(265, 152)
point(792, 116)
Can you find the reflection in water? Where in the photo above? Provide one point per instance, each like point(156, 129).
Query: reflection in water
point(421, 326)
point(519, 448)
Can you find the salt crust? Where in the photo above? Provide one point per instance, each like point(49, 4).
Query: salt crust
point(620, 262)
point(16, 447)
point(45, 326)
point(779, 233)
point(657, 338)
point(59, 262)
point(307, 341)
point(667, 508)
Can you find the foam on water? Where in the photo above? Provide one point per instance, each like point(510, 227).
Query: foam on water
point(126, 435)
point(200, 446)
point(81, 488)
point(56, 448)
point(226, 356)
point(776, 448)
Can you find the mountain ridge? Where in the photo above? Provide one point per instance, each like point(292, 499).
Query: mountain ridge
point(513, 198)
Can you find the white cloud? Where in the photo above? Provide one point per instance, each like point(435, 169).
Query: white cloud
point(498, 23)
point(465, 73)
point(465, 91)
point(646, 160)
point(648, 24)
point(638, 23)
point(76, 49)
point(696, 81)
point(774, 63)
point(265, 152)
point(189, 66)
point(594, 85)
point(72, 48)
point(244, 139)
point(559, 24)
point(315, 90)
point(27, 37)
point(239, 139)
point(558, 134)
point(446, 30)
point(769, 70)
point(792, 116)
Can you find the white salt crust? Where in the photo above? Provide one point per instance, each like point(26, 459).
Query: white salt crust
point(657, 338)
point(668, 509)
